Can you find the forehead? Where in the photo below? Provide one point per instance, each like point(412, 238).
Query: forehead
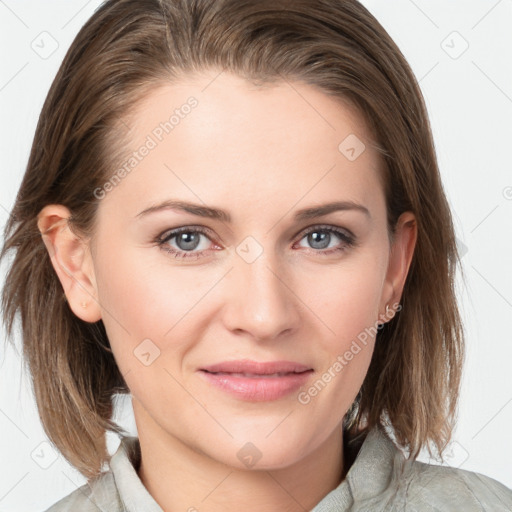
point(226, 104)
point(213, 134)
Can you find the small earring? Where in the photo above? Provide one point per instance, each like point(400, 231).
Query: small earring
point(381, 325)
point(83, 304)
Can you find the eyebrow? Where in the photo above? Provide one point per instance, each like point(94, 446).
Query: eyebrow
point(224, 216)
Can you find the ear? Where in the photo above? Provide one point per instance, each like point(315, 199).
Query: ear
point(71, 258)
point(400, 257)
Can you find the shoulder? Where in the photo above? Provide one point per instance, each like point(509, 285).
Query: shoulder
point(382, 479)
point(434, 487)
point(99, 494)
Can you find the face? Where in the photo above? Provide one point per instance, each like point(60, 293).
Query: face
point(181, 289)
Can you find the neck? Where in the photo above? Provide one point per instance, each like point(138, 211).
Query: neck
point(181, 478)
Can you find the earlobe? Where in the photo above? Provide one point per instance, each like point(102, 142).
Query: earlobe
point(71, 259)
point(401, 254)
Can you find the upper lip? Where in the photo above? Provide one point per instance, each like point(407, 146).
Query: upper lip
point(257, 368)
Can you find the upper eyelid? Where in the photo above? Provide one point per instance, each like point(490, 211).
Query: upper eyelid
point(327, 227)
point(168, 234)
point(172, 233)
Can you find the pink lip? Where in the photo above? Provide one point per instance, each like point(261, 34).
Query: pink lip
point(255, 381)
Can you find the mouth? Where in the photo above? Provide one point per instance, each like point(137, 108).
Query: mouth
point(256, 375)
point(249, 367)
point(257, 381)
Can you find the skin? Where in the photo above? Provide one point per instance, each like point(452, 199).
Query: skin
point(260, 153)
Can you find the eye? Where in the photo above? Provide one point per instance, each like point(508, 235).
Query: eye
point(186, 239)
point(185, 242)
point(321, 238)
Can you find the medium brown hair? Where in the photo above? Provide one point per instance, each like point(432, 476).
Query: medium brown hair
point(129, 47)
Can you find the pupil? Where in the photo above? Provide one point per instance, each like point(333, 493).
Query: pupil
point(186, 241)
point(319, 236)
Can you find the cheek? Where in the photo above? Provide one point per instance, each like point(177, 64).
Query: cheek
point(142, 300)
point(350, 312)
point(346, 299)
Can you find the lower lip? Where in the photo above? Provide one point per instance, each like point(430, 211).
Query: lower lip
point(258, 389)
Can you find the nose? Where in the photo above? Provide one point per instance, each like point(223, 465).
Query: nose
point(261, 302)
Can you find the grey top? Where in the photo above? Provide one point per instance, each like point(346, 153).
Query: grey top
point(374, 483)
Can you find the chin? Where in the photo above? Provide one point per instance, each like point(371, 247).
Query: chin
point(260, 453)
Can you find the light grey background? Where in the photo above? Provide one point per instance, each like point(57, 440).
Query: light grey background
point(461, 52)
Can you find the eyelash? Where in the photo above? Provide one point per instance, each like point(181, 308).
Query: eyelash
point(348, 240)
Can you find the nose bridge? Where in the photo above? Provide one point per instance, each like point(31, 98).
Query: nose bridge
point(261, 302)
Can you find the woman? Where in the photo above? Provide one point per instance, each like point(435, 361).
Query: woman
point(233, 212)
